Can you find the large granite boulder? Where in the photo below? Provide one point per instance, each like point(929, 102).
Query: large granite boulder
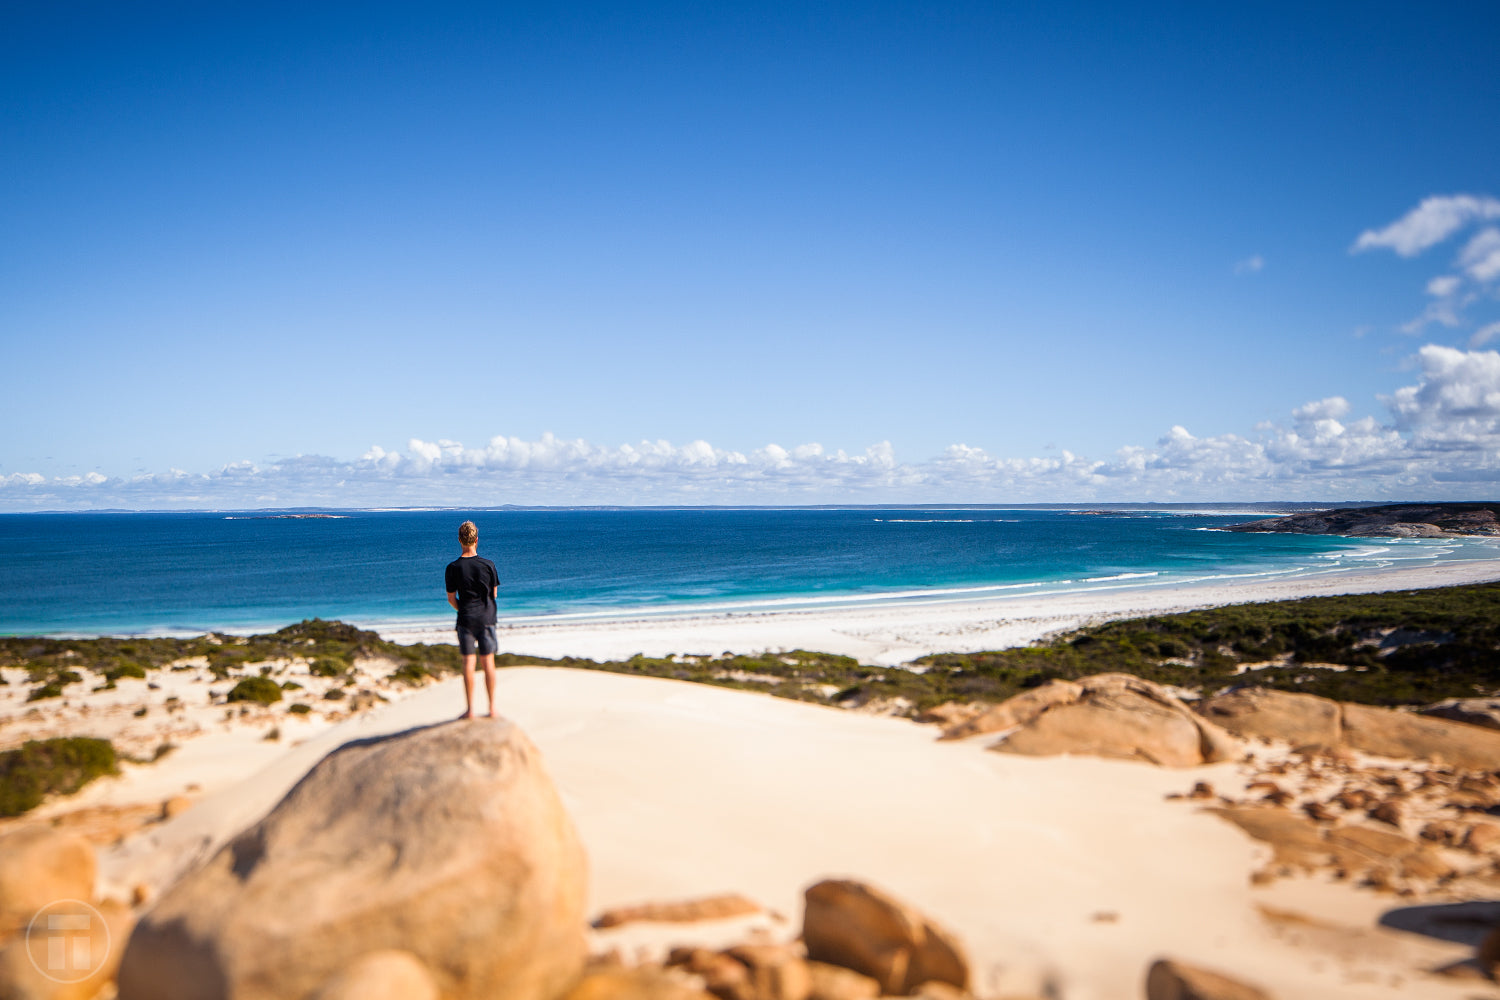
point(66, 961)
point(856, 926)
point(1013, 712)
point(1299, 719)
point(38, 866)
point(1120, 716)
point(381, 975)
point(447, 842)
point(1408, 735)
point(1304, 719)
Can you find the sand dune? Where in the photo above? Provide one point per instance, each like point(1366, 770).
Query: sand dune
point(1075, 871)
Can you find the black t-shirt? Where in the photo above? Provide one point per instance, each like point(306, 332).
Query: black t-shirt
point(473, 579)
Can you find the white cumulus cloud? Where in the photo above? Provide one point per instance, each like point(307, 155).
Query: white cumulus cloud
point(1475, 274)
point(1440, 435)
point(1430, 223)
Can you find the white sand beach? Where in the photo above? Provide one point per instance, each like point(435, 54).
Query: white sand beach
point(1066, 875)
point(895, 633)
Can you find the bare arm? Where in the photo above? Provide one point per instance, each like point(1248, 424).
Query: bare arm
point(453, 599)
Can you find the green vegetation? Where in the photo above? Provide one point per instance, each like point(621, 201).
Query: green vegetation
point(1400, 648)
point(42, 767)
point(262, 690)
point(299, 708)
point(53, 664)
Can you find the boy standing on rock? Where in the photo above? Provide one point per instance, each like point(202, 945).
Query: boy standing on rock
point(473, 584)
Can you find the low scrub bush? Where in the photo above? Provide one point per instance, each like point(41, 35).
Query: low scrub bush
point(39, 768)
point(261, 690)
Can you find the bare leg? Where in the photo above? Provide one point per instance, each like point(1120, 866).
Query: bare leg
point(488, 662)
point(469, 686)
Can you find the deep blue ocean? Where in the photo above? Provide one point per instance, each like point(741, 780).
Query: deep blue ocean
point(194, 572)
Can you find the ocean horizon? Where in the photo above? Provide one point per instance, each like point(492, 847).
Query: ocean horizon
point(182, 573)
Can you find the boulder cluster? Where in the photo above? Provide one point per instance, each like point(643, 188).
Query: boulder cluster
point(440, 864)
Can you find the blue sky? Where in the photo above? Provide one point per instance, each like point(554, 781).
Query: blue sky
point(368, 254)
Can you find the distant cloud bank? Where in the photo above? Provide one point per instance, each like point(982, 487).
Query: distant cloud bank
point(1438, 437)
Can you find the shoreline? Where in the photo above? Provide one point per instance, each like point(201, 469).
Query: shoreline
point(899, 632)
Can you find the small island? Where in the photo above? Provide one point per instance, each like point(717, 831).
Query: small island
point(1397, 520)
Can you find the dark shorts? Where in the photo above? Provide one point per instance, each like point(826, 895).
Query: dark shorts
point(477, 639)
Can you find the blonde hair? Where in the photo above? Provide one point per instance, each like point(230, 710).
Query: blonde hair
point(468, 534)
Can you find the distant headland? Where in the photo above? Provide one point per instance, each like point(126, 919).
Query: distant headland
point(1398, 520)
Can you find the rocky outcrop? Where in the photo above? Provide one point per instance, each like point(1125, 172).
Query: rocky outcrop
point(1404, 734)
point(633, 984)
point(1299, 844)
point(1400, 520)
point(87, 964)
point(858, 927)
point(1475, 711)
point(39, 865)
point(1111, 715)
point(1014, 712)
point(1304, 719)
point(448, 842)
point(679, 912)
point(381, 975)
point(1172, 980)
point(1299, 719)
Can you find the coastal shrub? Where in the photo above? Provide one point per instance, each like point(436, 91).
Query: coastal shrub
point(53, 684)
point(328, 666)
point(299, 708)
point(124, 668)
point(39, 768)
point(290, 686)
point(261, 690)
point(333, 694)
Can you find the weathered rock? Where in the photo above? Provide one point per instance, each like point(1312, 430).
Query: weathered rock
point(1355, 798)
point(1125, 717)
point(633, 984)
point(175, 806)
point(1390, 811)
point(1482, 838)
point(1319, 811)
point(1404, 734)
point(1017, 711)
point(935, 990)
point(381, 975)
point(858, 927)
point(723, 976)
point(39, 865)
point(1294, 841)
point(448, 842)
point(951, 713)
point(1172, 980)
point(831, 982)
point(88, 959)
point(1445, 832)
point(1487, 955)
point(1400, 520)
point(680, 912)
point(1265, 713)
point(1475, 711)
point(776, 973)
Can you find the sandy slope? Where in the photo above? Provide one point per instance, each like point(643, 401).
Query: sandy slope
point(683, 790)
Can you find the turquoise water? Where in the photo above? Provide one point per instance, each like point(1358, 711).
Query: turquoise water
point(194, 572)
